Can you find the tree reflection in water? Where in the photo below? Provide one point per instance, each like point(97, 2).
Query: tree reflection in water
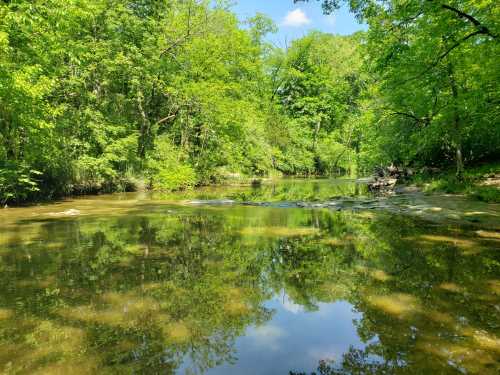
point(152, 290)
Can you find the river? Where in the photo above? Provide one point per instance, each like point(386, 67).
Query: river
point(291, 277)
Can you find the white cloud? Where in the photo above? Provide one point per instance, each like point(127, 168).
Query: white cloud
point(267, 336)
point(291, 306)
point(296, 18)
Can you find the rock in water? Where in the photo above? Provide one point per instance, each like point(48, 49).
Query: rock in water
point(385, 179)
point(214, 202)
point(70, 212)
point(383, 185)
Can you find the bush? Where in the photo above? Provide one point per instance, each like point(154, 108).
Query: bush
point(174, 178)
point(487, 194)
point(166, 169)
point(17, 182)
point(448, 184)
point(471, 182)
point(92, 175)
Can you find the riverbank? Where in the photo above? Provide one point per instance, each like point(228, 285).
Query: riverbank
point(337, 195)
point(480, 182)
point(11, 196)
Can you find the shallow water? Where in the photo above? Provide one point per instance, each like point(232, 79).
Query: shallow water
point(148, 284)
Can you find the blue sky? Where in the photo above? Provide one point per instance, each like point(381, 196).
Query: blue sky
point(295, 20)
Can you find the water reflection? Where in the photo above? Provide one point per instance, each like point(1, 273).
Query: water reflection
point(282, 190)
point(247, 290)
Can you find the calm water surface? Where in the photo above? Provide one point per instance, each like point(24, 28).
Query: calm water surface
point(151, 284)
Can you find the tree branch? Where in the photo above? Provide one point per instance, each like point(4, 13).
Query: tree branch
point(422, 121)
point(481, 28)
point(442, 56)
point(457, 44)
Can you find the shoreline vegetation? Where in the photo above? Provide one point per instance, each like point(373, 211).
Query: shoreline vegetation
point(480, 183)
point(102, 96)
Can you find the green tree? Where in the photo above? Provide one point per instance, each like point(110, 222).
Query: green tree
point(319, 85)
point(432, 63)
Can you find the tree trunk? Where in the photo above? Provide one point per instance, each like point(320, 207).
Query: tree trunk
point(316, 133)
point(144, 130)
point(460, 162)
point(456, 123)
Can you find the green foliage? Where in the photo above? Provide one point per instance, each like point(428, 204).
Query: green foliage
point(335, 157)
point(166, 169)
point(90, 88)
point(17, 182)
point(318, 85)
point(87, 97)
point(471, 183)
point(489, 194)
point(434, 82)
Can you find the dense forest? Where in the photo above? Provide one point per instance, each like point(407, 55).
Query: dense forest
point(118, 95)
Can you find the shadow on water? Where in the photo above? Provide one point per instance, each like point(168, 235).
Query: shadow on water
point(174, 289)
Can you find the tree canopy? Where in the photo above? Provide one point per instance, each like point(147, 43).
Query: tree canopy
point(434, 91)
point(109, 95)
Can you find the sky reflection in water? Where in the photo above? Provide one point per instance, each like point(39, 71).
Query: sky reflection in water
point(138, 286)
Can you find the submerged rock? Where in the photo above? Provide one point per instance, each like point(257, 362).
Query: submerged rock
point(336, 205)
point(213, 202)
point(409, 201)
point(71, 212)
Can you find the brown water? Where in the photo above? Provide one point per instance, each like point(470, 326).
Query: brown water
point(154, 284)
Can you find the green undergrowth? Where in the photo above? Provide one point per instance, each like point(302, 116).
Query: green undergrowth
point(472, 183)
